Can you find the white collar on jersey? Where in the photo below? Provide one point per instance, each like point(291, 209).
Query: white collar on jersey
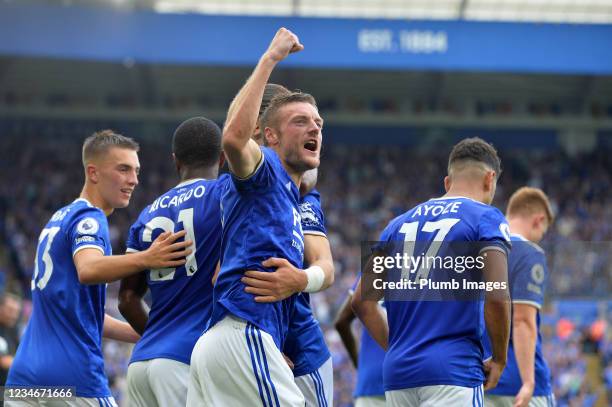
point(84, 200)
point(443, 198)
point(189, 181)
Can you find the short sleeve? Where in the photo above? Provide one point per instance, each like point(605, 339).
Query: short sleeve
point(313, 220)
point(133, 242)
point(529, 280)
point(88, 230)
point(494, 232)
point(264, 175)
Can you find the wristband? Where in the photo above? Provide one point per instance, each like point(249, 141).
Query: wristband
point(316, 277)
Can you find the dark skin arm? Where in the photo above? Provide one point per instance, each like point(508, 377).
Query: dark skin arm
point(497, 316)
point(343, 325)
point(131, 304)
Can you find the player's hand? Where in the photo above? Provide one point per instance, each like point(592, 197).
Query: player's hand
point(289, 362)
point(524, 396)
point(284, 43)
point(493, 371)
point(274, 286)
point(166, 252)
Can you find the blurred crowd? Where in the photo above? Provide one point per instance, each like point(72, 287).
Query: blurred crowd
point(362, 188)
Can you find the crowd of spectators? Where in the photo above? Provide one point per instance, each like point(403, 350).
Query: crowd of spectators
point(362, 188)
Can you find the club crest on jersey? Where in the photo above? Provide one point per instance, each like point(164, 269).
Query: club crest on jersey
point(309, 218)
point(88, 226)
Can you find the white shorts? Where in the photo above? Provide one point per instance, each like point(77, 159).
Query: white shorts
point(492, 400)
point(435, 396)
point(77, 402)
point(370, 401)
point(318, 386)
point(236, 364)
point(157, 382)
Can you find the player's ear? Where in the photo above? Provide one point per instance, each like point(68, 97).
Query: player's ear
point(177, 164)
point(489, 181)
point(270, 137)
point(92, 173)
point(221, 159)
point(447, 183)
point(538, 220)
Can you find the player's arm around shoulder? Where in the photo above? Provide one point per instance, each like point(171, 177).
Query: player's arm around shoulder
point(93, 267)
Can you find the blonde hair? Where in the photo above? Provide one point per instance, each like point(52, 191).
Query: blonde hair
point(100, 142)
point(528, 201)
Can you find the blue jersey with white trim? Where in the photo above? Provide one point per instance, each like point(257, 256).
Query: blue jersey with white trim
point(181, 297)
point(305, 345)
point(261, 219)
point(527, 275)
point(62, 344)
point(438, 342)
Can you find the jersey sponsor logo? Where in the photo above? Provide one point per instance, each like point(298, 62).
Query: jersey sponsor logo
point(88, 226)
point(84, 239)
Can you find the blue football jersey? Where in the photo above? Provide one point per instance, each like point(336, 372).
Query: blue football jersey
point(369, 364)
point(433, 341)
point(182, 297)
point(62, 344)
point(261, 219)
point(527, 275)
point(305, 344)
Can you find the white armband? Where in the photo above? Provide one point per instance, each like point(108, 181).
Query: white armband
point(316, 277)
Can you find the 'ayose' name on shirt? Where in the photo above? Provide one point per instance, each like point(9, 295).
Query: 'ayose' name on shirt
point(165, 201)
point(437, 208)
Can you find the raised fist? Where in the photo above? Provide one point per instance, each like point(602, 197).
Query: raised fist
point(284, 43)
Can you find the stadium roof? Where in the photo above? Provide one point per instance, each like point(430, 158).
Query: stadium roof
point(558, 11)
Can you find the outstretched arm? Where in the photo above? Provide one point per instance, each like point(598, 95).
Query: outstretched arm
point(243, 153)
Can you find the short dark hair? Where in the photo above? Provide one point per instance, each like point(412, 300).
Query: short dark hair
point(270, 92)
point(196, 142)
point(475, 150)
point(101, 141)
point(268, 118)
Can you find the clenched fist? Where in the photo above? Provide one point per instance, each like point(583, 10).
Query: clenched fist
point(284, 43)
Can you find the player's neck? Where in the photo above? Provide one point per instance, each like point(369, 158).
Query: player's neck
point(465, 191)
point(195, 173)
point(520, 227)
point(91, 195)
